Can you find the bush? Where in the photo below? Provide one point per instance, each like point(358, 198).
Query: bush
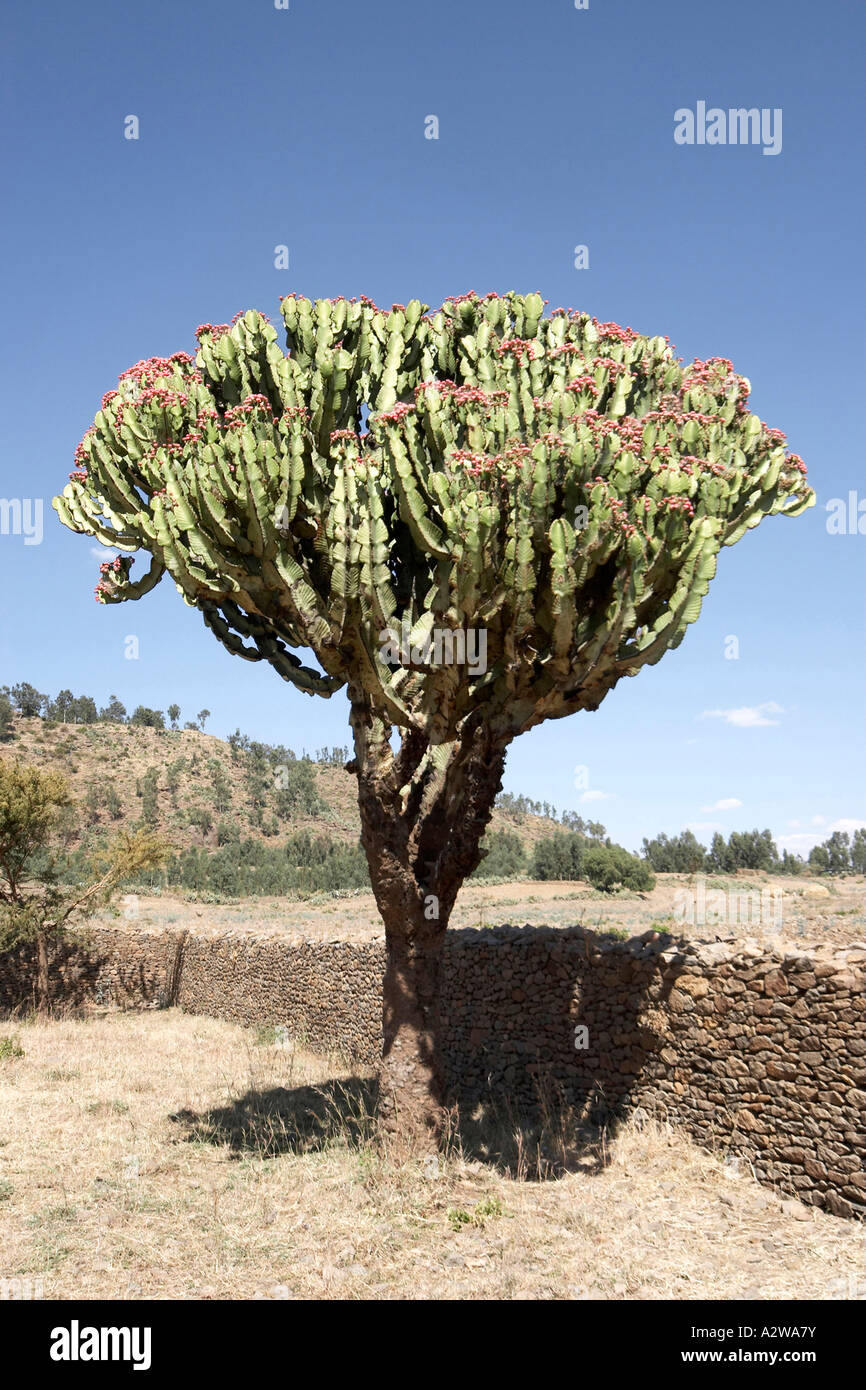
point(608, 867)
point(559, 857)
point(247, 868)
point(506, 857)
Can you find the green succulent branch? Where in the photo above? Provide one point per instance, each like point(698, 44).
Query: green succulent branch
point(562, 484)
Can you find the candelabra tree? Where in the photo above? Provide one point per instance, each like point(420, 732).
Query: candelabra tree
point(544, 492)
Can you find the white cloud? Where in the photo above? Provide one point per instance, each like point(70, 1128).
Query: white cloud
point(727, 803)
point(101, 552)
point(794, 824)
point(597, 796)
point(703, 827)
point(747, 716)
point(798, 844)
point(805, 840)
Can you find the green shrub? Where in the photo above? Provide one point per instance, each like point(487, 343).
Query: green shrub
point(506, 857)
point(608, 867)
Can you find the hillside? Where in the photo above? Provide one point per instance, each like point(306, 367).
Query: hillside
point(198, 791)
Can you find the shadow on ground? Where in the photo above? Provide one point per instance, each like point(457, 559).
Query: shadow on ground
point(540, 1144)
point(301, 1119)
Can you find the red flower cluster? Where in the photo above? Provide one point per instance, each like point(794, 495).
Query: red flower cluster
point(463, 395)
point(520, 347)
point(249, 405)
point(121, 564)
point(144, 373)
point(677, 504)
point(239, 315)
point(396, 413)
point(614, 332)
point(216, 330)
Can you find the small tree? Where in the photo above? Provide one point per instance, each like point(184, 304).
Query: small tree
point(114, 712)
point(680, 854)
point(533, 512)
point(28, 701)
point(838, 849)
point(504, 856)
point(791, 863)
point(60, 707)
point(83, 710)
point(174, 715)
point(610, 866)
point(34, 905)
point(7, 722)
point(148, 718)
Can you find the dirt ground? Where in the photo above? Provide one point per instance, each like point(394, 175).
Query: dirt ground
point(806, 910)
point(161, 1155)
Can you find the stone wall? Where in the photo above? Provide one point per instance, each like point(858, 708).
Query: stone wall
point(756, 1051)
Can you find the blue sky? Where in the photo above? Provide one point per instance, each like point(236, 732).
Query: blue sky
point(306, 128)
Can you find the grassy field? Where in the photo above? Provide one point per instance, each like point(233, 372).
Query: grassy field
point(811, 911)
point(153, 1156)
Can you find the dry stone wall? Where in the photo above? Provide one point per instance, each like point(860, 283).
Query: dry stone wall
point(757, 1051)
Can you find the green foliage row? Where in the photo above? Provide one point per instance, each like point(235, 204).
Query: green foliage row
point(247, 868)
point(753, 849)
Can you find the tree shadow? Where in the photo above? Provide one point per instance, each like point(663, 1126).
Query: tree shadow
point(544, 1079)
point(282, 1120)
point(534, 1142)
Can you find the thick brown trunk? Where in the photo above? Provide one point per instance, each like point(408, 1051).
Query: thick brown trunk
point(41, 971)
point(411, 1080)
point(421, 827)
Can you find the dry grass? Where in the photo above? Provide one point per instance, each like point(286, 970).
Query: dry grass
point(812, 913)
point(170, 1156)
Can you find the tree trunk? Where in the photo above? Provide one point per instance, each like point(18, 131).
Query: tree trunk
point(41, 971)
point(421, 828)
point(411, 1078)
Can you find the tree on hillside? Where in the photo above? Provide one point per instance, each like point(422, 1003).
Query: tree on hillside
point(114, 712)
point(83, 710)
point(148, 718)
point(28, 701)
point(59, 708)
point(533, 513)
point(6, 718)
point(559, 857)
point(174, 715)
point(504, 856)
point(203, 716)
point(34, 905)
